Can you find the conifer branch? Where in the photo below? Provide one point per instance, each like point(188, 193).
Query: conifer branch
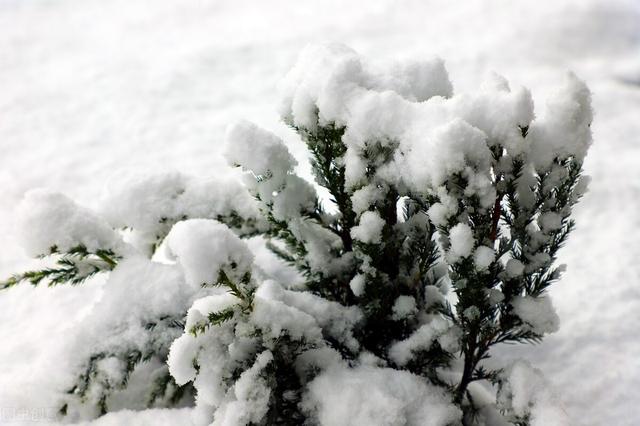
point(73, 267)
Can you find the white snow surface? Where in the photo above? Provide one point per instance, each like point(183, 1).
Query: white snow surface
point(527, 392)
point(537, 313)
point(252, 394)
point(483, 256)
point(369, 228)
point(436, 329)
point(368, 395)
point(48, 219)
point(150, 203)
point(203, 247)
point(462, 242)
point(93, 88)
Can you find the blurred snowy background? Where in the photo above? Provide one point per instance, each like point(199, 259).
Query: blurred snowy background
point(91, 88)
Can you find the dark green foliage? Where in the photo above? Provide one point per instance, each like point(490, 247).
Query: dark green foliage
point(497, 324)
point(406, 261)
point(243, 290)
point(94, 386)
point(403, 262)
point(327, 149)
point(73, 267)
point(286, 388)
point(214, 318)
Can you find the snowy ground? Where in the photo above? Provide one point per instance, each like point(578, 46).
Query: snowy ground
point(89, 88)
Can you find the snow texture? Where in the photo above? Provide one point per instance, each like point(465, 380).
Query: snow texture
point(119, 323)
point(257, 150)
point(369, 228)
point(368, 395)
point(526, 393)
point(49, 219)
point(483, 257)
point(251, 393)
point(564, 128)
point(149, 204)
point(537, 313)
point(303, 315)
point(403, 307)
point(152, 85)
point(514, 268)
point(203, 247)
point(265, 156)
point(421, 340)
point(357, 285)
point(151, 417)
point(439, 134)
point(462, 242)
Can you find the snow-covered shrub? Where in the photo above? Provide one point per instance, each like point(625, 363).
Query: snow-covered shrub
point(438, 241)
point(143, 307)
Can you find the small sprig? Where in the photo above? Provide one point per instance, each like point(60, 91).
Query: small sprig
point(244, 306)
point(74, 267)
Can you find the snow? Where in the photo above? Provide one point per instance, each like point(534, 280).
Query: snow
point(441, 211)
point(525, 392)
point(203, 247)
point(472, 313)
point(251, 397)
point(550, 221)
point(181, 349)
point(302, 315)
point(278, 318)
point(369, 395)
point(455, 145)
point(154, 84)
point(537, 313)
point(256, 149)
point(296, 195)
point(265, 156)
point(564, 127)
point(357, 285)
point(433, 295)
point(118, 323)
point(462, 242)
point(209, 357)
point(437, 134)
point(369, 228)
point(201, 308)
point(126, 297)
point(495, 296)
point(49, 219)
point(514, 268)
point(149, 417)
point(421, 340)
point(483, 256)
point(403, 307)
point(365, 197)
point(150, 203)
point(323, 73)
point(335, 319)
point(438, 214)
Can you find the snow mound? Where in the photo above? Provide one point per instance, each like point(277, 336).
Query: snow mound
point(49, 219)
point(365, 396)
point(525, 393)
